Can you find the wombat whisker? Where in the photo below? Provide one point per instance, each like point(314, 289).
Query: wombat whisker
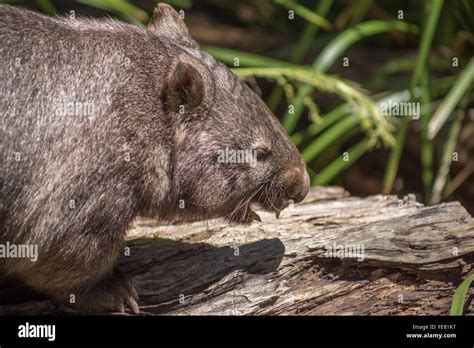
point(244, 203)
point(271, 194)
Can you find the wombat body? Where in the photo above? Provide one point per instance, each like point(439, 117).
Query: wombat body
point(102, 121)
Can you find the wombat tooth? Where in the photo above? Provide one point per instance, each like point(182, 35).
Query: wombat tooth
point(254, 216)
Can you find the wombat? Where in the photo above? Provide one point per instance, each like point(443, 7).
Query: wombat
point(102, 121)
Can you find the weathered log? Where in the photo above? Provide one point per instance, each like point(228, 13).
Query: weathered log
point(331, 255)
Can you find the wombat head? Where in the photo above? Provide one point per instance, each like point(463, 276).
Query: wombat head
point(230, 151)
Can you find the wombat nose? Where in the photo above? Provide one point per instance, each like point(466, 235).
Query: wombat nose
point(297, 184)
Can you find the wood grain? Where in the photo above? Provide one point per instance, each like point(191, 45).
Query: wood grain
point(411, 259)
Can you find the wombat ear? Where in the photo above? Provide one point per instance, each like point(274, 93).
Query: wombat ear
point(189, 88)
point(167, 22)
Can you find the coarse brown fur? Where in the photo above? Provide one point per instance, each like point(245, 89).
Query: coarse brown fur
point(102, 121)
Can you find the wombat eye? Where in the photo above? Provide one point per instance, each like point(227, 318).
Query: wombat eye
point(261, 154)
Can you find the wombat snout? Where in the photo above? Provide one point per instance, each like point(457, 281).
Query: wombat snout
point(296, 181)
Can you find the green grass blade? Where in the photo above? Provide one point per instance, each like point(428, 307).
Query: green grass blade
point(333, 51)
point(310, 32)
point(426, 40)
point(394, 159)
point(376, 125)
point(459, 89)
point(327, 138)
point(339, 112)
point(447, 158)
point(301, 48)
point(457, 305)
point(441, 85)
point(360, 9)
point(306, 13)
point(401, 65)
point(228, 56)
point(315, 128)
point(350, 36)
point(427, 151)
point(469, 9)
point(425, 44)
point(338, 165)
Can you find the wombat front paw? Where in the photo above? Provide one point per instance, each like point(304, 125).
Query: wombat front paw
point(113, 293)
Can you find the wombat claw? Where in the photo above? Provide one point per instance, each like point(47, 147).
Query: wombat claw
point(115, 293)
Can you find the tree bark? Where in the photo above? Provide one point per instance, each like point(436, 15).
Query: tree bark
point(331, 255)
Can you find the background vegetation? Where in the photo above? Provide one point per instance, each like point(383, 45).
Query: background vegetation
point(330, 64)
point(325, 66)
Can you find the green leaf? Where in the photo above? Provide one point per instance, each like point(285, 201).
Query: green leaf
point(425, 44)
point(427, 149)
point(350, 36)
point(457, 304)
point(426, 40)
point(340, 164)
point(368, 114)
point(440, 87)
point(306, 13)
point(446, 159)
point(327, 138)
point(331, 53)
point(304, 43)
point(228, 56)
point(315, 128)
point(310, 32)
point(459, 89)
point(401, 65)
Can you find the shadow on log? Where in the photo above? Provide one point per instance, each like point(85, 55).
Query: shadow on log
point(331, 255)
